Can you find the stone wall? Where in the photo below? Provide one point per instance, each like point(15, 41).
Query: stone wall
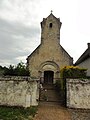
point(19, 91)
point(49, 52)
point(78, 93)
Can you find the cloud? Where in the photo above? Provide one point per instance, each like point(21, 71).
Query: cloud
point(20, 26)
point(23, 11)
point(17, 37)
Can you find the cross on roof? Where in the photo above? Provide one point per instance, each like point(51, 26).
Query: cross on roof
point(51, 11)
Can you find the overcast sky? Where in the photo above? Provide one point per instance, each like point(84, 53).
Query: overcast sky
point(20, 29)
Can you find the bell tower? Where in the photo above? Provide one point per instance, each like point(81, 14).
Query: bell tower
point(50, 30)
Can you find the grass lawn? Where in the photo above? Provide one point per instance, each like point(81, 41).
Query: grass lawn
point(17, 113)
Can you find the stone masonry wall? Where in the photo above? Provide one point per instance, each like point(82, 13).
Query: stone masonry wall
point(78, 93)
point(50, 49)
point(18, 91)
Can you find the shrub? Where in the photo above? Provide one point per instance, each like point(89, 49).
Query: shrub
point(17, 113)
point(19, 70)
point(58, 86)
point(73, 72)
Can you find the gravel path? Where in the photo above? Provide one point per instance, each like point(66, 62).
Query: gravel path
point(80, 114)
point(53, 111)
point(48, 111)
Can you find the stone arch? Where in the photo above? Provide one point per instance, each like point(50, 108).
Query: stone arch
point(49, 66)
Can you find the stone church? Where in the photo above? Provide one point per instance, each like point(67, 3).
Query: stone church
point(49, 57)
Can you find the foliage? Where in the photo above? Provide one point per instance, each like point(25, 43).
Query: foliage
point(68, 72)
point(1, 71)
point(17, 113)
point(58, 85)
point(60, 91)
point(73, 72)
point(19, 70)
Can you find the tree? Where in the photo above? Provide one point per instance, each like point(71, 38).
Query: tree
point(1, 70)
point(9, 71)
point(19, 70)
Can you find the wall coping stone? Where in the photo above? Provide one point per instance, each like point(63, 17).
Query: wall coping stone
point(79, 80)
point(17, 78)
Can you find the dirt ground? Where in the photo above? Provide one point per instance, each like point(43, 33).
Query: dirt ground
point(48, 111)
point(54, 111)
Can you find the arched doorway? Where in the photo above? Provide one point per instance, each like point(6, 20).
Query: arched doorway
point(49, 72)
point(48, 77)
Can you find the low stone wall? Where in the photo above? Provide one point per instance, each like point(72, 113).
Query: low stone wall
point(19, 91)
point(78, 93)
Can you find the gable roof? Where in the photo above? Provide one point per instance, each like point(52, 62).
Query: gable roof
point(51, 15)
point(35, 50)
point(66, 52)
point(40, 46)
point(84, 56)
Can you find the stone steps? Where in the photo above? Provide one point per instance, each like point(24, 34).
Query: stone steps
point(49, 94)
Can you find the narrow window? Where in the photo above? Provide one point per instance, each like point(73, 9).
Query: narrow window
point(50, 25)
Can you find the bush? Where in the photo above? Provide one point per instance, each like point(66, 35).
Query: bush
point(19, 70)
point(73, 72)
point(17, 113)
point(61, 92)
point(58, 86)
point(68, 72)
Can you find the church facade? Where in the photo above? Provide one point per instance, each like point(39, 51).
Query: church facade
point(49, 57)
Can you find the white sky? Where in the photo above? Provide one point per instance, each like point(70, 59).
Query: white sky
point(20, 27)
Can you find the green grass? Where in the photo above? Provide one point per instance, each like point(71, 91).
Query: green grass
point(17, 113)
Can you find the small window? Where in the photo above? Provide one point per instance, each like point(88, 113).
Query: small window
point(50, 25)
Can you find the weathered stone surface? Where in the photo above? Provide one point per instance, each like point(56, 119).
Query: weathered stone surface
point(78, 93)
point(49, 55)
point(18, 91)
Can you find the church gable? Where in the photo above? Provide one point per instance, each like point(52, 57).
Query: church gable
point(49, 53)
